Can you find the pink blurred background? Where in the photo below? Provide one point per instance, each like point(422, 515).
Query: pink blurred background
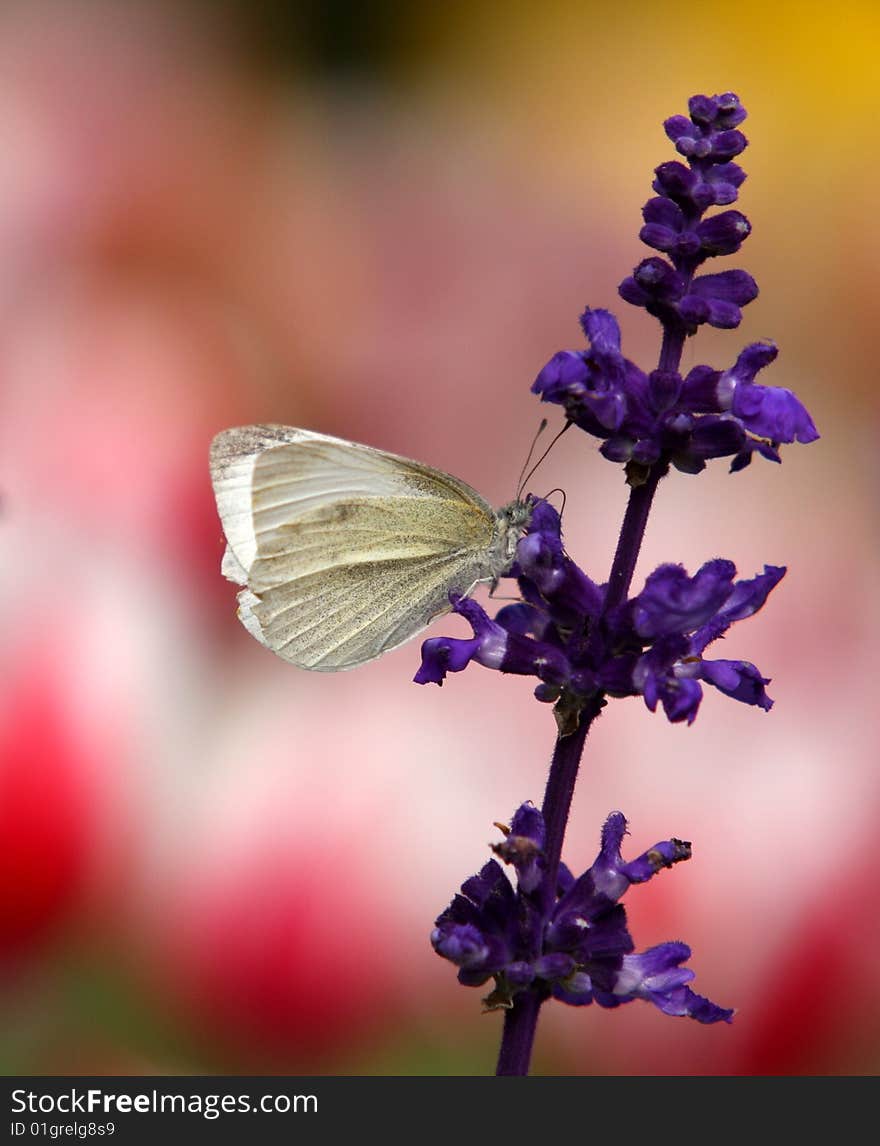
point(381, 227)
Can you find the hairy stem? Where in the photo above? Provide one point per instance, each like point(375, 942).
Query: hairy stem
point(521, 1020)
point(673, 344)
point(557, 800)
point(519, 1034)
point(632, 533)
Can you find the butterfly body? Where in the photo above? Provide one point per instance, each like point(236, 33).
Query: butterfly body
point(343, 551)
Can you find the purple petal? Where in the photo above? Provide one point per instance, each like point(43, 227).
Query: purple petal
point(694, 310)
point(752, 358)
point(774, 413)
point(720, 185)
point(490, 885)
point(577, 990)
point(749, 596)
point(605, 873)
point(675, 180)
point(723, 234)
point(736, 287)
point(727, 144)
point(730, 111)
point(765, 449)
point(646, 452)
point(618, 449)
point(678, 127)
point(523, 846)
point(754, 446)
point(664, 389)
point(525, 620)
point(608, 408)
point(716, 437)
point(528, 823)
point(573, 597)
point(630, 291)
point(442, 655)
point(699, 391)
point(564, 376)
point(723, 315)
point(740, 680)
point(663, 212)
point(463, 945)
point(746, 598)
point(545, 520)
point(702, 109)
point(659, 280)
point(540, 558)
point(611, 876)
point(519, 974)
point(659, 237)
point(557, 965)
point(491, 646)
point(655, 976)
point(661, 855)
point(680, 699)
point(603, 331)
point(672, 602)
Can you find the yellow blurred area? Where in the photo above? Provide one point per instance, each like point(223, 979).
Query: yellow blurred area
point(573, 89)
point(379, 222)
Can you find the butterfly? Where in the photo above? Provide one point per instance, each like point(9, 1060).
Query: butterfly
point(343, 551)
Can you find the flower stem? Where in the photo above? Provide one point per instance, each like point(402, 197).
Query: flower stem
point(632, 533)
point(521, 1021)
point(557, 799)
point(519, 1034)
point(673, 344)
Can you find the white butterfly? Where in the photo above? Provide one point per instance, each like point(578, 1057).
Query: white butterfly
point(345, 551)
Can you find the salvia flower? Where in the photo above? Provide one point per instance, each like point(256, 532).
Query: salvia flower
point(651, 646)
point(688, 420)
point(662, 416)
point(549, 934)
point(708, 140)
point(579, 950)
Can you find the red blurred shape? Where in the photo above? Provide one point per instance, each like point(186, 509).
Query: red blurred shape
point(44, 814)
point(822, 999)
point(289, 957)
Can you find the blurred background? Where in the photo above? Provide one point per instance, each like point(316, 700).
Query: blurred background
point(379, 221)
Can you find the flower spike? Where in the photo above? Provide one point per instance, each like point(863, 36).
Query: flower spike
point(582, 952)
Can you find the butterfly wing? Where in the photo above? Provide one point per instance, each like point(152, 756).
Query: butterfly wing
point(344, 551)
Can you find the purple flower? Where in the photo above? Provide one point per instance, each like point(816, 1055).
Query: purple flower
point(594, 383)
point(671, 295)
point(523, 845)
point(651, 646)
point(656, 975)
point(679, 616)
point(642, 418)
point(549, 934)
point(580, 950)
point(661, 417)
point(708, 139)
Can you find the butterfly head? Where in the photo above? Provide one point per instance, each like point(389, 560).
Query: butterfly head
point(513, 521)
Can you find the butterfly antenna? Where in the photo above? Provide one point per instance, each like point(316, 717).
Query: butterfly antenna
point(557, 489)
point(524, 480)
point(540, 430)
